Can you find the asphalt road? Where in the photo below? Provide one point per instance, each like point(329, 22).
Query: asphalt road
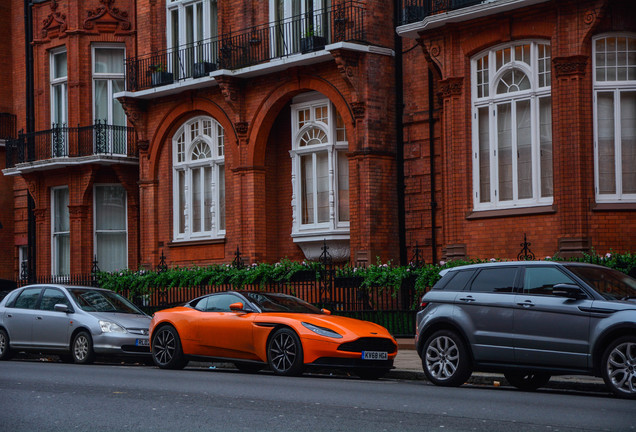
point(45, 396)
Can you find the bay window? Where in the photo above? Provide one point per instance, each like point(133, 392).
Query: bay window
point(108, 79)
point(512, 127)
point(320, 169)
point(614, 58)
point(59, 102)
point(60, 229)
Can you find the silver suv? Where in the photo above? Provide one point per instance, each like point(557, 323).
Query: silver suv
point(530, 320)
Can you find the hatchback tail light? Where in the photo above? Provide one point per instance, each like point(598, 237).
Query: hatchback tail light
point(423, 304)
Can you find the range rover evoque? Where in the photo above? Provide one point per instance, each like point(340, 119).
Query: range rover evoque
point(530, 320)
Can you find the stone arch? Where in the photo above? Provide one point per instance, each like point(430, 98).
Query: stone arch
point(274, 102)
point(179, 114)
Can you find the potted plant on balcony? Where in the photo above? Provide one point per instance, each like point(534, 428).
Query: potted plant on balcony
point(203, 68)
point(159, 76)
point(311, 41)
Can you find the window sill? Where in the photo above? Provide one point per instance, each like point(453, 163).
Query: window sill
point(525, 211)
point(615, 206)
point(179, 243)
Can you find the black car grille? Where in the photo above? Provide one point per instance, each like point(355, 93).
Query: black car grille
point(369, 344)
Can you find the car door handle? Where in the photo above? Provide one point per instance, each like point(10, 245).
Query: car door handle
point(9, 316)
point(38, 318)
point(526, 304)
point(467, 299)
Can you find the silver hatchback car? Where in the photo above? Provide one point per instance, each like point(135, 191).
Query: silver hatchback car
point(530, 320)
point(75, 322)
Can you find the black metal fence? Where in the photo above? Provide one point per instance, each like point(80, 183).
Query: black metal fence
point(63, 141)
point(345, 296)
point(7, 126)
point(235, 50)
point(417, 10)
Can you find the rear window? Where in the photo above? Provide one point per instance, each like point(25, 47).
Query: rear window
point(454, 280)
point(495, 280)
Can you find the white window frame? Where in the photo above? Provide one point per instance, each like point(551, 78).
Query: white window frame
point(294, 30)
point(23, 258)
point(61, 82)
point(96, 231)
point(332, 147)
point(616, 87)
point(54, 234)
point(182, 162)
point(490, 101)
point(117, 136)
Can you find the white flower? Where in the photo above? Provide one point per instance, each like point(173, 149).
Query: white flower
point(492, 260)
point(608, 255)
point(442, 262)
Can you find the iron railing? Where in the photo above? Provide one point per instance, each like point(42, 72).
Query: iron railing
point(417, 10)
point(259, 44)
point(7, 126)
point(63, 141)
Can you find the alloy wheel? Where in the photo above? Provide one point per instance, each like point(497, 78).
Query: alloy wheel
point(442, 357)
point(283, 352)
point(81, 347)
point(621, 368)
point(164, 346)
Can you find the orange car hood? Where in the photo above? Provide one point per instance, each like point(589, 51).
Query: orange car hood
point(340, 324)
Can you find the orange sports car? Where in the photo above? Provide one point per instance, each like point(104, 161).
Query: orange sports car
point(257, 329)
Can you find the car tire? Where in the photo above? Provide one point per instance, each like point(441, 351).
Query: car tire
point(82, 348)
point(528, 381)
point(371, 374)
point(285, 353)
point(166, 349)
point(618, 367)
point(249, 367)
point(5, 350)
point(445, 359)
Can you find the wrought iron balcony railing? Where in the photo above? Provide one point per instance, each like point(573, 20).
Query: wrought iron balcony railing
point(7, 126)
point(70, 142)
point(417, 10)
point(343, 22)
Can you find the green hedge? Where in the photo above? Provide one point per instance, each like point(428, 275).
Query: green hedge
point(379, 275)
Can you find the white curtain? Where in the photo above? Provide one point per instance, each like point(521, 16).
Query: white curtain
point(524, 150)
point(109, 60)
point(628, 141)
point(343, 187)
point(196, 200)
point(606, 149)
point(307, 189)
point(322, 183)
point(221, 197)
point(110, 227)
point(504, 151)
point(484, 155)
point(545, 142)
point(61, 234)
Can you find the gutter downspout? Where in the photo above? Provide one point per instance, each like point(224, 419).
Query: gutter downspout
point(399, 136)
point(431, 141)
point(30, 127)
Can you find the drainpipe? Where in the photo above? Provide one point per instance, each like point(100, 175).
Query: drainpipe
point(431, 141)
point(399, 135)
point(30, 127)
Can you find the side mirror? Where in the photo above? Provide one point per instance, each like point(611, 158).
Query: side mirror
point(325, 311)
point(237, 307)
point(569, 291)
point(61, 308)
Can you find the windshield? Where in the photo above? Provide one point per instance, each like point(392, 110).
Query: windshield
point(91, 300)
point(611, 284)
point(269, 302)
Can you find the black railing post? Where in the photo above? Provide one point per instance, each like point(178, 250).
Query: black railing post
point(162, 266)
point(238, 261)
point(526, 253)
point(94, 271)
point(325, 285)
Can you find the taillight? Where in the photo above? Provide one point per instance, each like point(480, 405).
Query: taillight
point(423, 304)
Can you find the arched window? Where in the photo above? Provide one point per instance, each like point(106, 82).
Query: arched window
point(615, 117)
point(320, 175)
point(199, 180)
point(512, 126)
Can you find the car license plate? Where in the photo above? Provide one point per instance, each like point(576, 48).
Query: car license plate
point(375, 355)
point(142, 342)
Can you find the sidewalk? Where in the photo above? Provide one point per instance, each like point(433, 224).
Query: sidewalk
point(408, 366)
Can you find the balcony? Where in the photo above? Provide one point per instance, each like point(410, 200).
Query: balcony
point(257, 45)
point(7, 126)
point(63, 146)
point(421, 15)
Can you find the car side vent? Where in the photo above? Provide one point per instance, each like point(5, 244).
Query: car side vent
point(369, 344)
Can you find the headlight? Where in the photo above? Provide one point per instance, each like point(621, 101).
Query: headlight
point(322, 331)
point(108, 327)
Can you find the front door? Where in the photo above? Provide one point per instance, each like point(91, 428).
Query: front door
point(51, 329)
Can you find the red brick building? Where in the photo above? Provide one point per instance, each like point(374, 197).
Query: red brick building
point(191, 128)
